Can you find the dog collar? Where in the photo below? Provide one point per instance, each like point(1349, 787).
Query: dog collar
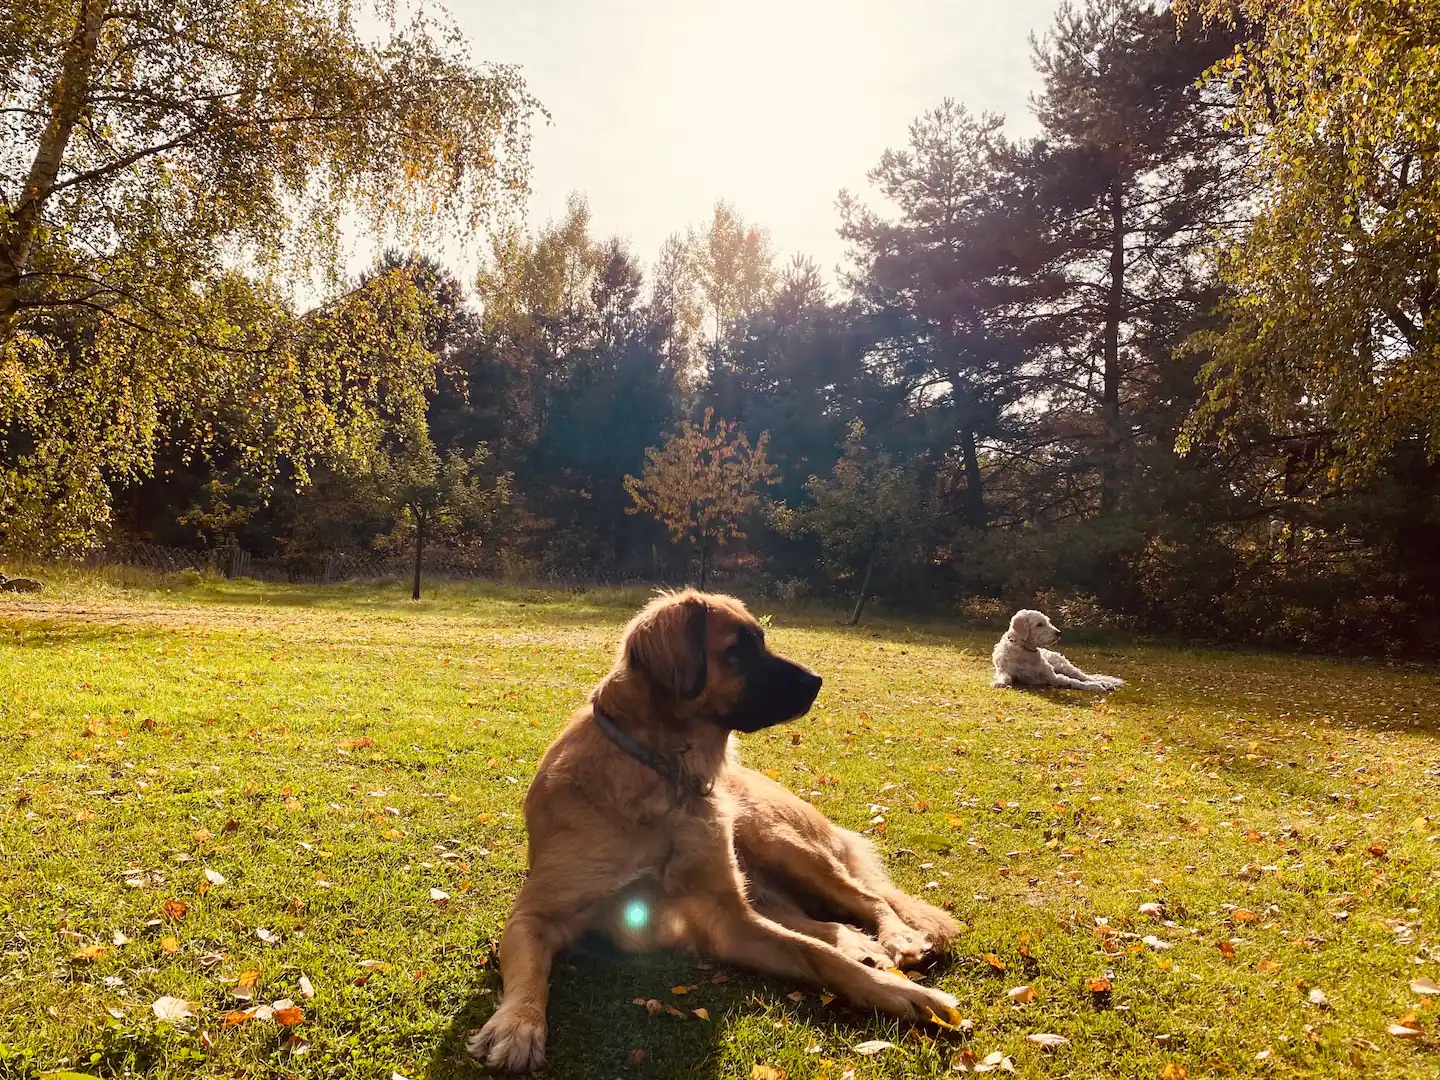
point(681, 782)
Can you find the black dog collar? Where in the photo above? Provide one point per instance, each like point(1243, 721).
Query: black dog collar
point(681, 782)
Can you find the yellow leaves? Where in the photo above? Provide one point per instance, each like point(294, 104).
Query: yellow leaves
point(1174, 1071)
point(679, 990)
point(288, 1014)
point(701, 1014)
point(1021, 995)
point(950, 1021)
point(994, 961)
point(1098, 986)
point(1267, 966)
point(1244, 915)
point(169, 945)
point(87, 954)
point(1227, 949)
point(767, 1072)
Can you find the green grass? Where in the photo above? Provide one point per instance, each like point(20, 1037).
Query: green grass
point(337, 753)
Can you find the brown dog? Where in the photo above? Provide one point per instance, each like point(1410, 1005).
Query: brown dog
point(644, 827)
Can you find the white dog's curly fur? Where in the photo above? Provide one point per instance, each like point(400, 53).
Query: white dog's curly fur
point(1021, 659)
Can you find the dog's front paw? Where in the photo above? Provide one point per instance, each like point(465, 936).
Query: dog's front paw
point(862, 948)
point(513, 1040)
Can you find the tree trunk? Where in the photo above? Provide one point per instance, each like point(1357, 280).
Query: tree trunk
point(974, 482)
point(854, 619)
point(419, 551)
point(67, 103)
point(1114, 315)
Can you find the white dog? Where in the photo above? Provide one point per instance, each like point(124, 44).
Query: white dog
point(1021, 659)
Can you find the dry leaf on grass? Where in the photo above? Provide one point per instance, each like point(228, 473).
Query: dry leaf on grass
point(701, 1014)
point(1227, 949)
point(873, 1047)
point(176, 1010)
point(1267, 966)
point(1155, 911)
point(1318, 998)
point(1156, 943)
point(1047, 1041)
point(288, 1014)
point(1174, 1071)
point(767, 1072)
point(1424, 986)
point(169, 945)
point(440, 897)
point(174, 910)
point(267, 936)
point(635, 1058)
point(307, 989)
point(237, 1016)
point(1101, 985)
point(1244, 915)
point(214, 877)
point(244, 988)
point(1021, 995)
point(87, 954)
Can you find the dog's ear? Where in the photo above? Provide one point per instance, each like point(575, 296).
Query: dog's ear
point(1022, 625)
point(667, 644)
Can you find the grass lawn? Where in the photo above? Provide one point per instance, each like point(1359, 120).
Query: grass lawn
point(209, 780)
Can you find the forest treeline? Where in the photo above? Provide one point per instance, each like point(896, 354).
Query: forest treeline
point(1171, 359)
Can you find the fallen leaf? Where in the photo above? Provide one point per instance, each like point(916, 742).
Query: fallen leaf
point(1021, 995)
point(266, 936)
point(994, 961)
point(794, 995)
point(1156, 943)
point(1244, 915)
point(237, 1016)
point(1098, 986)
point(687, 989)
point(440, 897)
point(1155, 911)
point(1174, 1071)
point(1403, 1031)
point(87, 954)
point(120, 939)
point(214, 877)
point(701, 1013)
point(374, 965)
point(951, 1021)
point(873, 1047)
point(1318, 998)
point(169, 945)
point(307, 990)
point(176, 1010)
point(635, 1058)
point(1227, 949)
point(1378, 850)
point(1267, 966)
point(1046, 1041)
point(174, 910)
point(767, 1072)
point(288, 1014)
point(653, 1007)
point(244, 988)
point(1424, 986)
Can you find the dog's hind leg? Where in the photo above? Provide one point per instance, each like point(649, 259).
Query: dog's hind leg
point(860, 856)
point(728, 928)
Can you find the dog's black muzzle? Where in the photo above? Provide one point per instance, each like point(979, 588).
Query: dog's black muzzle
point(777, 691)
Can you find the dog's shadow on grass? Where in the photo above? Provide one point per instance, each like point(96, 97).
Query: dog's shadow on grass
point(595, 1026)
point(598, 1018)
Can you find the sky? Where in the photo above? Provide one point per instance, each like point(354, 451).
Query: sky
point(660, 107)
